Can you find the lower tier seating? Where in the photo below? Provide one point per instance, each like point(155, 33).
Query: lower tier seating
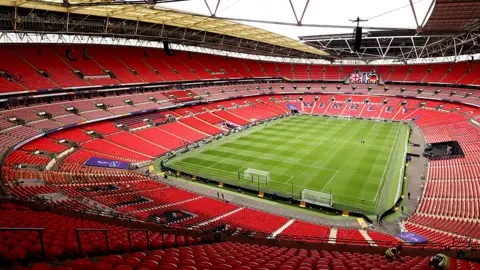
point(227, 255)
point(59, 235)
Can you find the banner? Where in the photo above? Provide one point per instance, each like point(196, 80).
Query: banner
point(106, 163)
point(412, 238)
point(364, 77)
point(292, 107)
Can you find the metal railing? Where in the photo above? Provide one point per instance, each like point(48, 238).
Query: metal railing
point(40, 235)
point(105, 231)
point(146, 236)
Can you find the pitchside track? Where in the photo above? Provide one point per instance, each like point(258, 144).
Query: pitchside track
point(317, 153)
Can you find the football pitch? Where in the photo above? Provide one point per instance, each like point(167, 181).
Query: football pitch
point(309, 152)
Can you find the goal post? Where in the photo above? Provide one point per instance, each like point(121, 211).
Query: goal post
point(255, 175)
point(317, 197)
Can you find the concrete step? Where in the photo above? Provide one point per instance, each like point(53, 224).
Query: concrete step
point(368, 238)
point(281, 229)
point(217, 218)
point(333, 236)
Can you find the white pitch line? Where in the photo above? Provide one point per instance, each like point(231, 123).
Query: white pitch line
point(386, 166)
point(333, 176)
point(290, 179)
point(295, 161)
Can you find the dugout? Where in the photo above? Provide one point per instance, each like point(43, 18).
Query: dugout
point(442, 150)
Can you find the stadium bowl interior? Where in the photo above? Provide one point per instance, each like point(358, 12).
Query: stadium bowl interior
point(123, 157)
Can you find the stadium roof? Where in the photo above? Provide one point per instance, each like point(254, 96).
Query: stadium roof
point(452, 29)
point(143, 12)
point(451, 15)
point(436, 28)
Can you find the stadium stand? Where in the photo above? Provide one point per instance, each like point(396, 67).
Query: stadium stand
point(44, 144)
point(136, 143)
point(59, 235)
point(161, 137)
point(104, 146)
point(183, 131)
point(229, 255)
point(201, 125)
point(448, 212)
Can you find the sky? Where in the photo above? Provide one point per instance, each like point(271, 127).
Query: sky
point(380, 13)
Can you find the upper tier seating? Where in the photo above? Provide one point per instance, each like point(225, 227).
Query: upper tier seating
point(110, 62)
point(197, 66)
point(156, 63)
point(136, 65)
point(240, 67)
point(133, 62)
point(84, 63)
point(457, 72)
point(22, 73)
point(45, 59)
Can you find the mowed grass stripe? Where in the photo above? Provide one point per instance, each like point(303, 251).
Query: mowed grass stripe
point(306, 152)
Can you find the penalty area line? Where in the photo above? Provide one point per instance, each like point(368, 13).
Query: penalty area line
point(290, 179)
point(333, 176)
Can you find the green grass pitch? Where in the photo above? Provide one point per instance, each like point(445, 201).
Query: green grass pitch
point(318, 153)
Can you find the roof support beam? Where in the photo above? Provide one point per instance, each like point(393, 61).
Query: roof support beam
point(414, 13)
point(15, 19)
point(455, 46)
point(80, 22)
point(299, 21)
point(312, 24)
point(414, 47)
point(428, 12)
point(147, 28)
point(348, 45)
point(212, 14)
point(423, 47)
point(388, 48)
point(107, 22)
point(161, 31)
point(379, 48)
point(68, 21)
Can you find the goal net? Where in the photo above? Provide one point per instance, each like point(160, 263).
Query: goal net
point(317, 197)
point(256, 175)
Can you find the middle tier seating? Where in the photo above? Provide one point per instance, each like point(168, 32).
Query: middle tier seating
point(136, 143)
